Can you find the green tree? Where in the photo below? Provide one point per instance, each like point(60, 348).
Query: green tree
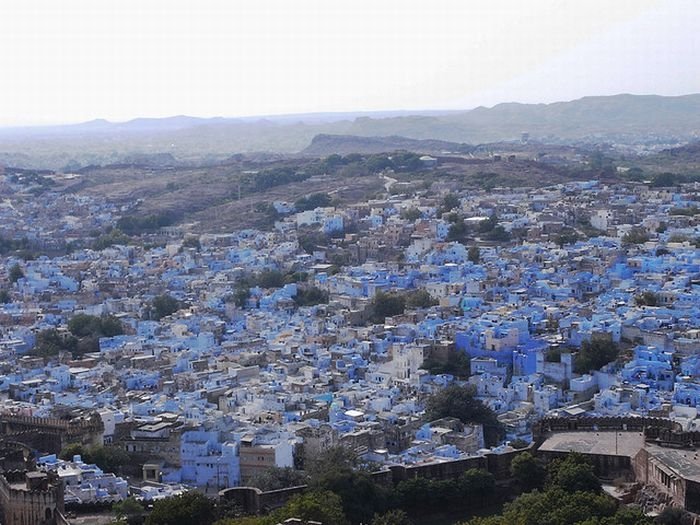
point(83, 325)
point(646, 298)
point(49, 343)
point(129, 511)
point(572, 497)
point(553, 355)
point(557, 507)
point(311, 240)
point(136, 225)
point(672, 516)
point(313, 201)
point(361, 497)
point(88, 329)
point(476, 484)
point(110, 238)
point(296, 277)
point(15, 273)
point(392, 517)
point(665, 180)
point(424, 496)
point(310, 296)
point(460, 402)
point(323, 506)
point(411, 214)
point(270, 279)
point(72, 449)
point(241, 296)
point(275, 478)
point(595, 354)
point(573, 474)
point(498, 234)
point(457, 364)
point(489, 224)
point(110, 326)
point(420, 299)
point(245, 520)
point(518, 443)
point(527, 471)
point(335, 470)
point(164, 305)
point(333, 161)
point(377, 163)
point(689, 211)
point(192, 242)
point(635, 236)
point(449, 202)
point(566, 236)
point(628, 515)
point(406, 161)
point(457, 231)
point(386, 305)
point(10, 245)
point(5, 297)
point(108, 458)
point(635, 173)
point(191, 508)
point(474, 254)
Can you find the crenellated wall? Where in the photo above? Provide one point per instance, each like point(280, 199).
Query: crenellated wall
point(13, 423)
point(51, 434)
point(22, 505)
point(592, 424)
point(672, 437)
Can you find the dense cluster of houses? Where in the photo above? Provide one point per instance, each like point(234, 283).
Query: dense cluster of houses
point(217, 392)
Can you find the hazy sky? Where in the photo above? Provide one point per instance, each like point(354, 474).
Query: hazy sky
point(75, 60)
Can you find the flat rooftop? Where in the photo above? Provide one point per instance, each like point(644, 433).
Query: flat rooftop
point(683, 461)
point(600, 443)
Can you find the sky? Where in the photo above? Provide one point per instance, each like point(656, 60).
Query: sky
point(67, 61)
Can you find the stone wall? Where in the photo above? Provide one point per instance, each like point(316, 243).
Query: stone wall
point(255, 501)
point(591, 424)
point(51, 434)
point(672, 437)
point(20, 505)
point(606, 466)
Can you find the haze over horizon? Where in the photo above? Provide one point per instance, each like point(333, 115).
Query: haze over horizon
point(124, 60)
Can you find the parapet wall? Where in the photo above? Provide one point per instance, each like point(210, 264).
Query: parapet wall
point(255, 501)
point(21, 506)
point(671, 437)
point(50, 442)
point(592, 424)
point(71, 426)
point(50, 434)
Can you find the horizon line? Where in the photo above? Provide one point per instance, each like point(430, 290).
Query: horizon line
point(349, 113)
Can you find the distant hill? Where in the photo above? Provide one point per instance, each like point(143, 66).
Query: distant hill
point(619, 118)
point(325, 144)
point(612, 116)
